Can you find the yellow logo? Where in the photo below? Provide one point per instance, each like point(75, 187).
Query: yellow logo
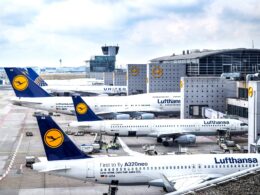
point(157, 71)
point(53, 138)
point(250, 91)
point(181, 84)
point(81, 108)
point(20, 82)
point(135, 71)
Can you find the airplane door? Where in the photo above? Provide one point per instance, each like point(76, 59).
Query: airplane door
point(96, 108)
point(90, 170)
point(232, 127)
point(197, 127)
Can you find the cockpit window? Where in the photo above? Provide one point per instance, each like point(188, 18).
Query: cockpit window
point(243, 124)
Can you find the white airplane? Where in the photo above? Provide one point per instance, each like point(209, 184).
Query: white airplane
point(182, 131)
point(172, 172)
point(69, 82)
point(81, 86)
point(29, 94)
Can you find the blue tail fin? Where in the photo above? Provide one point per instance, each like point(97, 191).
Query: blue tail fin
point(83, 111)
point(57, 144)
point(23, 86)
point(36, 78)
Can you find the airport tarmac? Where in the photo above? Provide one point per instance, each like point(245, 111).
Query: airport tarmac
point(15, 178)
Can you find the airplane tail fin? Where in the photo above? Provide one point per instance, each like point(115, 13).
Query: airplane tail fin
point(57, 145)
point(23, 86)
point(83, 111)
point(36, 78)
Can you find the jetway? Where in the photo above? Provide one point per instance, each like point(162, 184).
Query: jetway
point(210, 113)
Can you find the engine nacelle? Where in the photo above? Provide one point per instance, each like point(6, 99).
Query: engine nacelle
point(147, 116)
point(186, 139)
point(122, 117)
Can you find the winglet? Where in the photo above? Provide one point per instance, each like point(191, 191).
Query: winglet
point(57, 145)
point(167, 184)
point(22, 85)
point(83, 111)
point(128, 150)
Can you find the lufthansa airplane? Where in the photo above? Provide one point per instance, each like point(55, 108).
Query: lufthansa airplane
point(172, 172)
point(144, 106)
point(75, 86)
point(183, 131)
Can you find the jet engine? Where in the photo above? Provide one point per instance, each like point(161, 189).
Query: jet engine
point(122, 117)
point(147, 116)
point(186, 139)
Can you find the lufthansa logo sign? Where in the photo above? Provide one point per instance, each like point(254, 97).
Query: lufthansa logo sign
point(20, 82)
point(81, 108)
point(134, 71)
point(53, 138)
point(250, 91)
point(157, 71)
point(181, 84)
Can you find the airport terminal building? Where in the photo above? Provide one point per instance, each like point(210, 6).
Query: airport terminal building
point(215, 62)
point(196, 63)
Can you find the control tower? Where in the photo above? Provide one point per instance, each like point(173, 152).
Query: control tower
point(110, 50)
point(105, 62)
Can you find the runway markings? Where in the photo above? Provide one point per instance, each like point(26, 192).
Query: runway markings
point(12, 159)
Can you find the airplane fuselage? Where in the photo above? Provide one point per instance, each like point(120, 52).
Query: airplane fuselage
point(162, 127)
point(155, 103)
point(95, 89)
point(149, 169)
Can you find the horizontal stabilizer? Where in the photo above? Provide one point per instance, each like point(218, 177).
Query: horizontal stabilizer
point(54, 169)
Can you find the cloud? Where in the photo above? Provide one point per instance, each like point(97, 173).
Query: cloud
point(43, 31)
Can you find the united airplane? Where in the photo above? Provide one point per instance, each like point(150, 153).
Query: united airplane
point(172, 172)
point(183, 131)
point(81, 86)
point(81, 81)
point(144, 106)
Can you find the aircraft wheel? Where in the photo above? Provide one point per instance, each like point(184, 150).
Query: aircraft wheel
point(166, 143)
point(159, 139)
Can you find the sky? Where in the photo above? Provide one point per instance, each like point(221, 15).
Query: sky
point(41, 32)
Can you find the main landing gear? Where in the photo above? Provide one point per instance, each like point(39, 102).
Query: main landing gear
point(164, 141)
point(113, 188)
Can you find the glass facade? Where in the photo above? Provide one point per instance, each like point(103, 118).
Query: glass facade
point(102, 64)
point(237, 110)
point(245, 61)
point(243, 93)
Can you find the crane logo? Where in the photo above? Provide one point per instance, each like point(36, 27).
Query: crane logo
point(181, 84)
point(157, 71)
point(53, 138)
point(81, 108)
point(250, 91)
point(20, 82)
point(135, 71)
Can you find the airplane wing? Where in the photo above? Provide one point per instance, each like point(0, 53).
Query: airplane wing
point(23, 102)
point(175, 134)
point(183, 182)
point(128, 150)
